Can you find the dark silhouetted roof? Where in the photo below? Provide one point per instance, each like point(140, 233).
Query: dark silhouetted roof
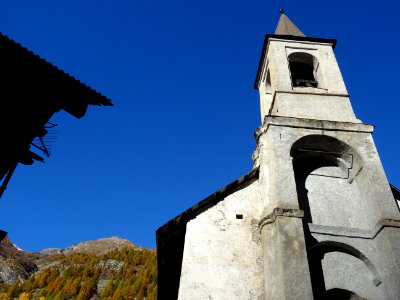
point(32, 90)
point(395, 191)
point(22, 68)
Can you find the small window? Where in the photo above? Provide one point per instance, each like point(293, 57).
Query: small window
point(302, 70)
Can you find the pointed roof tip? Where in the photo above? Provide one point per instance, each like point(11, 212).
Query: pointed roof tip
point(286, 26)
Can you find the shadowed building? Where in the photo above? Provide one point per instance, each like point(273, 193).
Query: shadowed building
point(32, 91)
point(316, 217)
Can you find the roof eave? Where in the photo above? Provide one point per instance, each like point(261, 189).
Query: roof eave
point(81, 91)
point(196, 209)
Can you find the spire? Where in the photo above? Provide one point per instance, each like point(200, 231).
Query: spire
point(286, 26)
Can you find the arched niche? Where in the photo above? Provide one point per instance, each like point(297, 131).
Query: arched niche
point(340, 271)
point(325, 169)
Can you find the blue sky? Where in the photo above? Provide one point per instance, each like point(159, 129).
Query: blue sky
point(180, 74)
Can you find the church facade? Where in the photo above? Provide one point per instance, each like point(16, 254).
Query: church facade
point(314, 219)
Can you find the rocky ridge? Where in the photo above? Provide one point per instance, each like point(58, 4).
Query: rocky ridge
point(98, 247)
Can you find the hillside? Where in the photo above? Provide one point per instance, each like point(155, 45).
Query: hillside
point(111, 268)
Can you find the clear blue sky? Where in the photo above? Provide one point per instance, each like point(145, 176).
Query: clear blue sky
point(180, 74)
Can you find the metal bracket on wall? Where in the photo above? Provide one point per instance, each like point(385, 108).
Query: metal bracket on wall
point(44, 143)
point(6, 180)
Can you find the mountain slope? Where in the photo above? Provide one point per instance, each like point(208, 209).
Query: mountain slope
point(110, 268)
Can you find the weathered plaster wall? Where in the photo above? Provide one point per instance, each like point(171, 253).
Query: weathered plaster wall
point(334, 201)
point(286, 273)
point(223, 255)
point(311, 106)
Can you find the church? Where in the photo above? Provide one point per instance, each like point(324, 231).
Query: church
point(316, 217)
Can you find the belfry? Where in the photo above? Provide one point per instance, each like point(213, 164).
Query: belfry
point(315, 218)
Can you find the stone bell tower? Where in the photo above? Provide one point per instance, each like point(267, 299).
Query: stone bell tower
point(329, 223)
point(314, 219)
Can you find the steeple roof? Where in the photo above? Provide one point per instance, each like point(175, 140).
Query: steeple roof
point(287, 27)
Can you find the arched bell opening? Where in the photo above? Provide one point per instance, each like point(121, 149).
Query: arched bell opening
point(305, 70)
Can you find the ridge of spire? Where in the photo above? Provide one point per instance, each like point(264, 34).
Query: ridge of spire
point(286, 26)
